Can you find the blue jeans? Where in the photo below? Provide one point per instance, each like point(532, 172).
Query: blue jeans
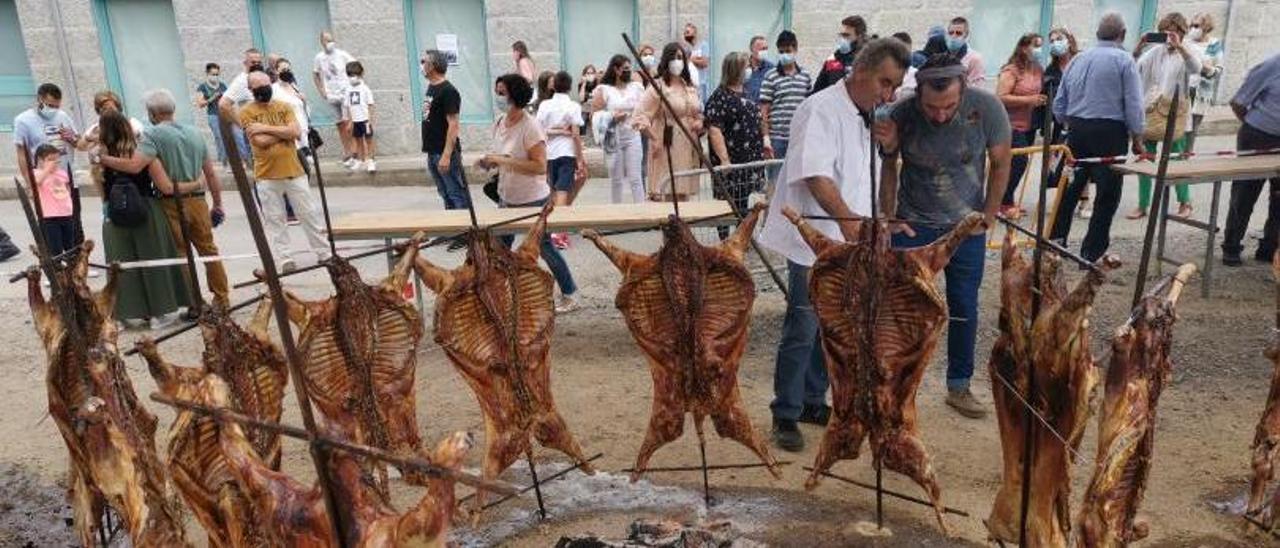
point(452, 186)
point(964, 278)
point(800, 370)
point(217, 138)
point(779, 153)
point(555, 261)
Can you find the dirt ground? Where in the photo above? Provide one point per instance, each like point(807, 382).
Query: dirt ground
point(602, 385)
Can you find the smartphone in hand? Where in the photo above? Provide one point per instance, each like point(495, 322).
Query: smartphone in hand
point(1156, 37)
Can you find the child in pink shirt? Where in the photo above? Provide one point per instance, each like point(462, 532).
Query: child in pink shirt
point(54, 187)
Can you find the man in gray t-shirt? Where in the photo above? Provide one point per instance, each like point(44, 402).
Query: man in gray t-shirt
point(945, 135)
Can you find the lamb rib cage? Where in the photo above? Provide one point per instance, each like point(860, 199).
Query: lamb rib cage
point(505, 362)
point(1266, 440)
point(1056, 348)
point(874, 389)
point(109, 434)
point(699, 297)
point(256, 373)
point(360, 354)
point(1140, 368)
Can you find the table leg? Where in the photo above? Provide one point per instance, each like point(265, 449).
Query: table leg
point(1207, 278)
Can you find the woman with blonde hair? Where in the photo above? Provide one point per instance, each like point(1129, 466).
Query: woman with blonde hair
point(1204, 84)
point(734, 131)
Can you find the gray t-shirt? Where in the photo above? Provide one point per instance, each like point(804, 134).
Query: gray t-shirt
point(944, 167)
point(32, 130)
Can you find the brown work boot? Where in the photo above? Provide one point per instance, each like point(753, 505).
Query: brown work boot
point(963, 402)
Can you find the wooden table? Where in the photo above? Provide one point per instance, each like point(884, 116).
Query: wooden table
point(403, 224)
point(1210, 170)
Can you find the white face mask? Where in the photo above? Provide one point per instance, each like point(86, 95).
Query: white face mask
point(675, 66)
point(746, 73)
point(330, 46)
point(1195, 34)
point(502, 103)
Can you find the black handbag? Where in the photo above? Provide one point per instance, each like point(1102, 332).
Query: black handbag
point(126, 206)
point(491, 189)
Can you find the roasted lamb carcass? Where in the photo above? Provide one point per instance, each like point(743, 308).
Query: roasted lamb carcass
point(1266, 439)
point(1056, 349)
point(881, 315)
point(109, 434)
point(494, 319)
point(359, 352)
point(688, 307)
point(295, 515)
point(1139, 369)
point(256, 373)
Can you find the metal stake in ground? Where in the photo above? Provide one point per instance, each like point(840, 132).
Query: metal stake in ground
point(319, 454)
point(1037, 258)
point(1158, 204)
point(871, 306)
point(716, 177)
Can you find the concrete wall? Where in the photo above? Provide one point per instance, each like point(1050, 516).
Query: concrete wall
point(218, 30)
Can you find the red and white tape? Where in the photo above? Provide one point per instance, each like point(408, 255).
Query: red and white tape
point(1109, 160)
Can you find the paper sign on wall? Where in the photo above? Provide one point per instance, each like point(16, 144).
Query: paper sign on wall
point(448, 45)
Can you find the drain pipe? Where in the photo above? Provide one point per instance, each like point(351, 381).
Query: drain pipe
point(68, 73)
point(1231, 17)
point(672, 15)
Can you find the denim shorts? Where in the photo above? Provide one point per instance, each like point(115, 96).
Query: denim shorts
point(560, 173)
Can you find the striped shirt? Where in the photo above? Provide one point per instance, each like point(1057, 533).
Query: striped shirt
point(783, 93)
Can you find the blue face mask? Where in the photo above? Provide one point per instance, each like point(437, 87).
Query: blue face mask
point(1058, 48)
point(501, 103)
point(786, 58)
point(47, 112)
point(955, 44)
point(844, 45)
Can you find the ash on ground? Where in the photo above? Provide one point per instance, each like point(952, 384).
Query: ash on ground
point(647, 533)
point(32, 513)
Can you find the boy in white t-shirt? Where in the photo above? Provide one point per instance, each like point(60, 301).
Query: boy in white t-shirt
point(358, 103)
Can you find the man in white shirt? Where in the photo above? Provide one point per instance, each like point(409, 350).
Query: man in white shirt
point(330, 76)
point(237, 94)
point(696, 52)
point(561, 119)
point(827, 173)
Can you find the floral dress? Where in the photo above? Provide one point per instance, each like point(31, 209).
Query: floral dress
point(739, 121)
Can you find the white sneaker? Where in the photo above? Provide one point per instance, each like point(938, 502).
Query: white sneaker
point(371, 167)
point(1085, 210)
point(164, 321)
point(355, 165)
point(287, 266)
point(348, 163)
point(566, 304)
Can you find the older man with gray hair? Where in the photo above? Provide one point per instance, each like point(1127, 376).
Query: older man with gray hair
point(186, 162)
point(1101, 102)
point(440, 109)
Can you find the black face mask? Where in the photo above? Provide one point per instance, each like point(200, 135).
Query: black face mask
point(287, 76)
point(625, 75)
point(256, 67)
point(262, 94)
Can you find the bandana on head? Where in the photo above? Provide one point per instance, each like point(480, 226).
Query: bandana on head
point(938, 73)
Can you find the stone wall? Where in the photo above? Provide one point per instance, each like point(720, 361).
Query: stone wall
point(219, 30)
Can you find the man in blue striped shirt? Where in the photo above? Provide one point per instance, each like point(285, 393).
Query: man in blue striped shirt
point(1101, 103)
point(784, 88)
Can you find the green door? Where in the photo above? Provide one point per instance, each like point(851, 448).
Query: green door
point(17, 88)
point(436, 23)
point(292, 28)
point(1139, 16)
point(734, 22)
point(141, 50)
point(995, 27)
point(591, 32)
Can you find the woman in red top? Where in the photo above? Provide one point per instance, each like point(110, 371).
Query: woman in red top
point(1020, 88)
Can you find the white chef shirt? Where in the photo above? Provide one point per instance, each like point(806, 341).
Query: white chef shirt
point(828, 139)
point(557, 111)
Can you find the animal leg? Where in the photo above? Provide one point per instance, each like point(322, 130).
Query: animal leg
point(903, 453)
point(165, 374)
point(531, 247)
point(40, 309)
point(435, 278)
point(106, 299)
point(620, 258)
point(551, 431)
point(400, 274)
point(842, 440)
point(936, 255)
point(816, 240)
point(666, 423)
point(737, 244)
point(261, 320)
point(732, 423)
point(503, 450)
point(84, 506)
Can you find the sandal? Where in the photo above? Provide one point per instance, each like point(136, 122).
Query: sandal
point(1185, 210)
point(1136, 214)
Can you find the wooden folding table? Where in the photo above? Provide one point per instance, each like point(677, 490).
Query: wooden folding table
point(1213, 170)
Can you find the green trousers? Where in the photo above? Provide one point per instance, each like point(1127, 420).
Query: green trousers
point(1144, 182)
point(148, 292)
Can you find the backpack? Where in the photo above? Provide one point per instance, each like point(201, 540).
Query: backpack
point(125, 204)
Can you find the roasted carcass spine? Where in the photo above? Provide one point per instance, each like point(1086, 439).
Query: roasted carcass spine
point(109, 434)
point(494, 319)
point(1266, 439)
point(688, 307)
point(1140, 368)
point(294, 515)
point(1056, 349)
point(881, 315)
point(255, 370)
point(359, 351)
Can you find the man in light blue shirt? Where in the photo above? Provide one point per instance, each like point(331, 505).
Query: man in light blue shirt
point(760, 68)
point(1101, 103)
point(1257, 105)
point(45, 123)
